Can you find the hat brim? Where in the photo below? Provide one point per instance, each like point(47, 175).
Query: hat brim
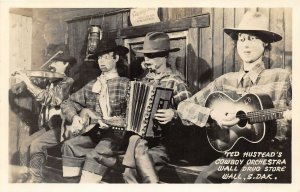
point(268, 36)
point(121, 50)
point(71, 60)
point(157, 51)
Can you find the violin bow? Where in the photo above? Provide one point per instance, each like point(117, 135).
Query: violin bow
point(59, 52)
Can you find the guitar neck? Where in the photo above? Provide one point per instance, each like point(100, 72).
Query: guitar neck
point(265, 115)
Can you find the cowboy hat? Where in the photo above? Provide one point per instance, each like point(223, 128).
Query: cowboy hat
point(156, 42)
point(59, 52)
point(109, 45)
point(257, 23)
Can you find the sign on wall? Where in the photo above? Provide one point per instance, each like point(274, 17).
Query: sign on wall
point(143, 16)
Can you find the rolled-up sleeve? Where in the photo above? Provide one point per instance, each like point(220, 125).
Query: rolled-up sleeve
point(193, 110)
point(73, 104)
point(56, 95)
point(181, 93)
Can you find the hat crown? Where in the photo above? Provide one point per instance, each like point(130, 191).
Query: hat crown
point(254, 20)
point(157, 41)
point(107, 45)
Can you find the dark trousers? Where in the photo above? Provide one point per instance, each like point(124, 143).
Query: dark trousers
point(38, 142)
point(149, 157)
point(94, 152)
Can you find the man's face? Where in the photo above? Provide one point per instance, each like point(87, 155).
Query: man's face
point(250, 48)
point(107, 61)
point(58, 66)
point(154, 63)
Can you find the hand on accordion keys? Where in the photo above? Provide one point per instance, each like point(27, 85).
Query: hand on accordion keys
point(164, 116)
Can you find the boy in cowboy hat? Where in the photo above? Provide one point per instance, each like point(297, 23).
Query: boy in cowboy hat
point(146, 156)
point(252, 39)
point(50, 98)
point(87, 157)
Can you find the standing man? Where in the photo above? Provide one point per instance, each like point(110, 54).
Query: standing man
point(50, 98)
point(252, 39)
point(146, 156)
point(88, 157)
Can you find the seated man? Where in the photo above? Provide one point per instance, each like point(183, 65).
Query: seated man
point(253, 39)
point(50, 99)
point(87, 157)
point(146, 156)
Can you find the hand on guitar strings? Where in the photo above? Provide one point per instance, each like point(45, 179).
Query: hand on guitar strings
point(102, 125)
point(224, 119)
point(164, 116)
point(77, 124)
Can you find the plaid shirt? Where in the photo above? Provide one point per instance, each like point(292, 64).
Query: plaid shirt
point(169, 79)
point(274, 82)
point(86, 98)
point(53, 96)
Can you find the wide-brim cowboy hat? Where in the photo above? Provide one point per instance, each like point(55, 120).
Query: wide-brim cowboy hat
point(256, 23)
point(156, 42)
point(109, 45)
point(58, 52)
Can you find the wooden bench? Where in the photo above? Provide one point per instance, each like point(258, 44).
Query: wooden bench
point(169, 174)
point(188, 144)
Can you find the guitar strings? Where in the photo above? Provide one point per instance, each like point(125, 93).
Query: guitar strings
point(255, 114)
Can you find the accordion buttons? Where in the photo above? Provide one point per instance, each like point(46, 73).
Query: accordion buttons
point(149, 108)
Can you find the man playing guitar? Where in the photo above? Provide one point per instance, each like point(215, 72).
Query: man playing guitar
point(252, 39)
point(87, 157)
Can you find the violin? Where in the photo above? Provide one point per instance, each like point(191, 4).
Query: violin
point(42, 74)
point(38, 77)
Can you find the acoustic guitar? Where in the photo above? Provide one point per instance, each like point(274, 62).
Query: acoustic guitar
point(257, 119)
point(90, 120)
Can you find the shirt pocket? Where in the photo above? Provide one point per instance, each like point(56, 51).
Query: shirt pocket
point(91, 101)
point(118, 105)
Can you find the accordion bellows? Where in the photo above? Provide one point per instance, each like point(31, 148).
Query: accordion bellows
point(144, 101)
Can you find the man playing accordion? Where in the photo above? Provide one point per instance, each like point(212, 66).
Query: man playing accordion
point(145, 156)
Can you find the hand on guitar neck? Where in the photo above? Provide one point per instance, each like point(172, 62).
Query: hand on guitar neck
point(223, 119)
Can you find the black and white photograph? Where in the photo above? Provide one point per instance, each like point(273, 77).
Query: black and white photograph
point(131, 94)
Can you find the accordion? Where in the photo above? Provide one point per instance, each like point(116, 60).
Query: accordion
point(144, 101)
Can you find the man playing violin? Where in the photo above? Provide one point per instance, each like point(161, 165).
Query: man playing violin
point(252, 39)
point(50, 119)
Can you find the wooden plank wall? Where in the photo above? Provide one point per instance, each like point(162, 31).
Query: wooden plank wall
point(211, 53)
point(19, 58)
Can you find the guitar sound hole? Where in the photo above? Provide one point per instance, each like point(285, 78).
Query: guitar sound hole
point(243, 118)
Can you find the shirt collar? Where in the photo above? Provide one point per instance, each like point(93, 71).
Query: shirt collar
point(253, 73)
point(108, 75)
point(159, 76)
point(103, 78)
